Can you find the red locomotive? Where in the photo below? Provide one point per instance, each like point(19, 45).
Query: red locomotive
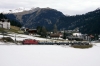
point(29, 41)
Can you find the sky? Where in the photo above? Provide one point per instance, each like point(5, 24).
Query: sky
point(68, 7)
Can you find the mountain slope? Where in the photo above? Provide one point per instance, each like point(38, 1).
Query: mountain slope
point(87, 23)
point(43, 17)
point(40, 17)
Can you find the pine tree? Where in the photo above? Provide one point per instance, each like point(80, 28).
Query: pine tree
point(39, 28)
point(64, 35)
point(44, 31)
point(55, 28)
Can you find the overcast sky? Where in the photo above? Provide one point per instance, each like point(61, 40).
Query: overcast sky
point(69, 7)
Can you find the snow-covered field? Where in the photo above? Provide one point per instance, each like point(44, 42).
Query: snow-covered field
point(21, 37)
point(48, 55)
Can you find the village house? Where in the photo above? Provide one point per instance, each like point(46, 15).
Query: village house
point(56, 36)
point(29, 31)
point(32, 31)
point(77, 36)
point(4, 23)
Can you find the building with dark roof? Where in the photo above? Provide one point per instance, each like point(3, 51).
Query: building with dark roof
point(5, 23)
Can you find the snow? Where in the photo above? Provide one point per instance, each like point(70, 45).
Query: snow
point(22, 9)
point(48, 55)
point(21, 37)
point(7, 43)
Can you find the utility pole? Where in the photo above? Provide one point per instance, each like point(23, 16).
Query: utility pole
point(15, 38)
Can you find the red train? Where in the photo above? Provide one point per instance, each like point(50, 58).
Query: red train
point(29, 41)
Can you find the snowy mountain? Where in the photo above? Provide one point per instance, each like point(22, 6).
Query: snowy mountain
point(37, 17)
point(48, 17)
point(17, 10)
point(21, 9)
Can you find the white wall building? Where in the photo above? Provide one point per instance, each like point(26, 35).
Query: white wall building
point(5, 23)
point(77, 34)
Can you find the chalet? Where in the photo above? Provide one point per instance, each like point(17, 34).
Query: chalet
point(32, 31)
point(55, 36)
point(4, 23)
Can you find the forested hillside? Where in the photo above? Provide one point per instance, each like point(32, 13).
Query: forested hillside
point(41, 17)
point(13, 22)
point(47, 17)
point(87, 23)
